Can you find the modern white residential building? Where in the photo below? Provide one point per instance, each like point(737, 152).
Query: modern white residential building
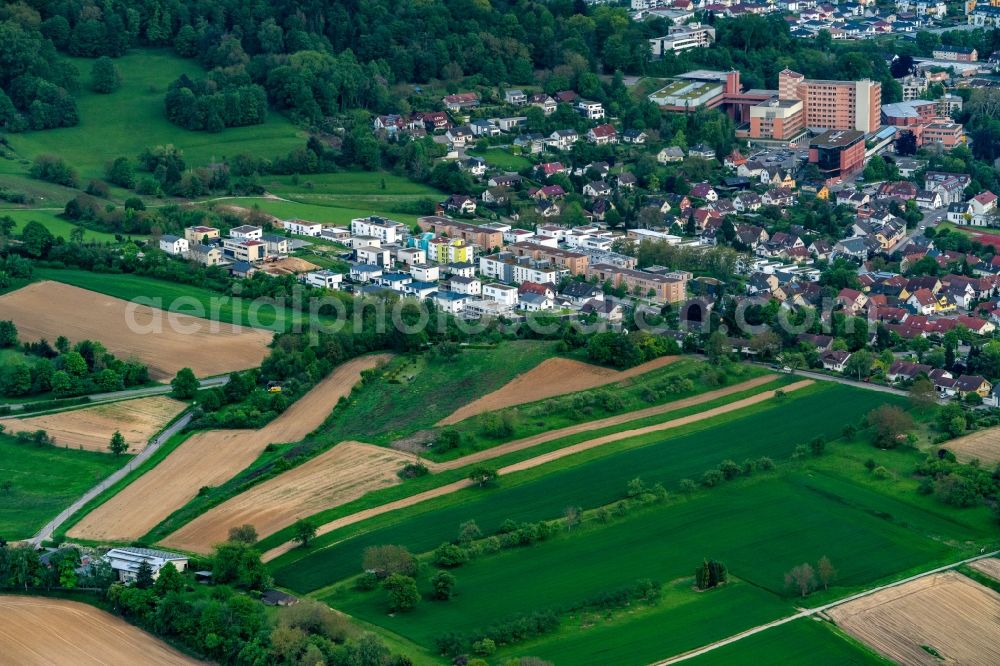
point(326, 279)
point(304, 228)
point(246, 232)
point(501, 293)
point(385, 230)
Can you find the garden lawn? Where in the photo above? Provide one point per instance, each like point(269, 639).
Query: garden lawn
point(44, 481)
point(772, 429)
point(804, 641)
point(132, 118)
point(502, 159)
point(759, 528)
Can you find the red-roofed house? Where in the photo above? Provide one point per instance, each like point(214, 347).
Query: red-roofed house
point(602, 134)
point(852, 300)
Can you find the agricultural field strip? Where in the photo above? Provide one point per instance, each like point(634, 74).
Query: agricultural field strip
point(247, 506)
point(91, 427)
point(809, 612)
point(38, 631)
point(343, 473)
point(552, 377)
point(989, 567)
point(534, 440)
point(164, 342)
point(211, 457)
point(948, 613)
point(535, 462)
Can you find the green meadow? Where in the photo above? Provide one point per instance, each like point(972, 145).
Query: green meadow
point(770, 429)
point(43, 481)
point(132, 118)
point(803, 641)
point(502, 159)
point(58, 226)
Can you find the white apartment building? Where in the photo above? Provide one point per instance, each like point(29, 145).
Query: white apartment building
point(304, 228)
point(501, 293)
point(246, 232)
point(385, 230)
point(325, 279)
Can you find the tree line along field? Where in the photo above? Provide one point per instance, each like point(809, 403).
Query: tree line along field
point(760, 526)
point(43, 481)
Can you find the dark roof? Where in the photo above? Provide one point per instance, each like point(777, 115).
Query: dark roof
point(579, 290)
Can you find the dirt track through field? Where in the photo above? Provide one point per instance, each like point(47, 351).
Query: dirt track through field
point(340, 475)
point(535, 462)
point(551, 377)
point(91, 428)
point(164, 341)
point(210, 458)
point(41, 632)
point(983, 445)
point(948, 612)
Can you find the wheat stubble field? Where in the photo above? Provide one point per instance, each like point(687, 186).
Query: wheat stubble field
point(947, 613)
point(41, 632)
point(209, 458)
point(164, 341)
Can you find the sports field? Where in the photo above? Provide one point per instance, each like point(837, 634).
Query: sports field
point(44, 480)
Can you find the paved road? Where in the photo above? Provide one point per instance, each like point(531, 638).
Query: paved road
point(137, 393)
point(809, 612)
point(46, 532)
point(851, 382)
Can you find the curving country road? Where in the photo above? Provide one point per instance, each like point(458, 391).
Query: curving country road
point(127, 394)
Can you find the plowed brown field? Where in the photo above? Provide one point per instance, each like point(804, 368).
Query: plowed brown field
point(164, 341)
point(43, 632)
point(952, 614)
point(91, 428)
point(210, 458)
point(340, 475)
point(551, 377)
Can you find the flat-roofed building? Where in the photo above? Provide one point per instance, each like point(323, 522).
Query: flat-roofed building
point(574, 262)
point(831, 104)
point(484, 237)
point(838, 153)
point(777, 119)
point(662, 288)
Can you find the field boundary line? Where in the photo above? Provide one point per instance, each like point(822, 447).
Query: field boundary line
point(530, 463)
point(809, 612)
